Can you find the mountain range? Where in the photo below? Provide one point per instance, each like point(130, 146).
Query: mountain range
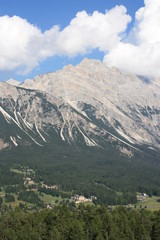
point(84, 105)
point(88, 129)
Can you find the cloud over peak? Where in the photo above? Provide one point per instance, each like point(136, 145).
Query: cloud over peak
point(87, 32)
point(141, 54)
point(23, 45)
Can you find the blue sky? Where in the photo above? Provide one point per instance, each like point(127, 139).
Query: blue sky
point(47, 13)
point(43, 15)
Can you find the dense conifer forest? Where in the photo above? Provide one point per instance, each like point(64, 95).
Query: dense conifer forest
point(79, 223)
point(112, 178)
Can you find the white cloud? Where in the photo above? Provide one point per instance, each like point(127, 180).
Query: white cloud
point(141, 55)
point(87, 32)
point(23, 45)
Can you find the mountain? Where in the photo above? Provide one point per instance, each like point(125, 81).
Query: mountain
point(13, 82)
point(88, 103)
point(89, 129)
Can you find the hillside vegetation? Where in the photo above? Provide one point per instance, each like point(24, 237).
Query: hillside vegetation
point(82, 223)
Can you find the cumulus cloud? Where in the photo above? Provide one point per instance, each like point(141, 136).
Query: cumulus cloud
point(141, 54)
point(23, 45)
point(87, 32)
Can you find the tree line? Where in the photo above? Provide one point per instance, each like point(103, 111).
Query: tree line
point(80, 223)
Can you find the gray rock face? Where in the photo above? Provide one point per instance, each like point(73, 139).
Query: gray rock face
point(89, 102)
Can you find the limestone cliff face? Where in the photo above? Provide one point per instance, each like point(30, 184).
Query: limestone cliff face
point(88, 102)
point(127, 102)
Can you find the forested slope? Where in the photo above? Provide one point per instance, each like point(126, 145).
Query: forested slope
point(82, 223)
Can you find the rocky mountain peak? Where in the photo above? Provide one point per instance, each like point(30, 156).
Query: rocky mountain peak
point(90, 100)
point(13, 82)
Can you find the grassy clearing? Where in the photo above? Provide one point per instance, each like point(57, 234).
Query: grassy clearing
point(48, 199)
point(16, 203)
point(2, 193)
point(17, 171)
point(23, 171)
point(151, 203)
point(13, 204)
point(85, 204)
